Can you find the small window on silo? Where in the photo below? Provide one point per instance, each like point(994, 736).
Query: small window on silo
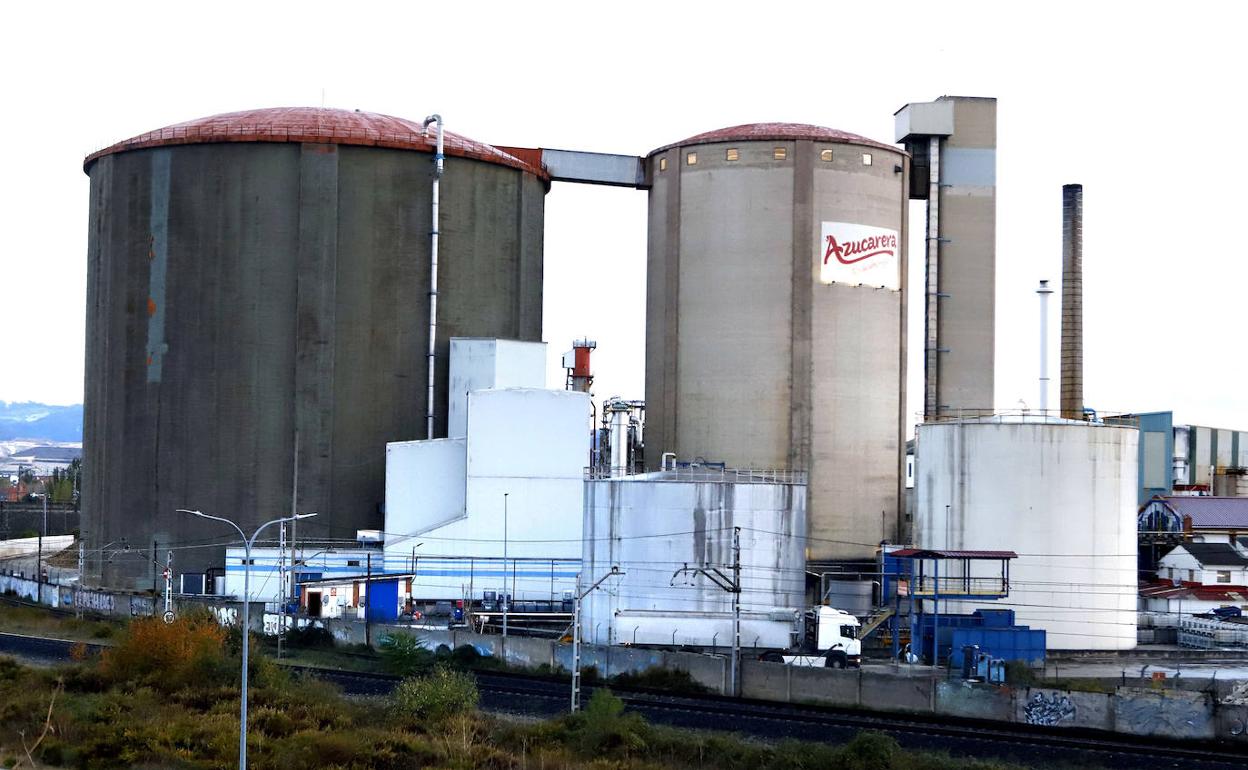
point(779, 153)
point(662, 164)
point(732, 154)
point(825, 156)
point(866, 159)
point(692, 159)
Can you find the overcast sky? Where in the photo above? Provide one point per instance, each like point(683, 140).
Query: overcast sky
point(1136, 102)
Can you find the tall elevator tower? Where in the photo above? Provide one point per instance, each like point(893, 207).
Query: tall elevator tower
point(953, 145)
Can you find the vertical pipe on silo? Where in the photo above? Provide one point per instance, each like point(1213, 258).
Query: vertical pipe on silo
point(931, 345)
point(1072, 302)
point(433, 273)
point(1044, 291)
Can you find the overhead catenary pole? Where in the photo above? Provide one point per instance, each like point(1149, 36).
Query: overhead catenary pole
point(736, 611)
point(43, 532)
point(733, 586)
point(576, 633)
point(82, 560)
point(506, 598)
point(168, 614)
point(368, 613)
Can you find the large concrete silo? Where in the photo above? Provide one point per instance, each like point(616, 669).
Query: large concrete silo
point(775, 317)
point(262, 275)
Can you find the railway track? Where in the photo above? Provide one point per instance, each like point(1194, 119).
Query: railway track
point(541, 697)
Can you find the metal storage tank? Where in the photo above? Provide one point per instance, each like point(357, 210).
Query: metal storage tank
point(1062, 495)
point(652, 524)
point(775, 318)
point(257, 276)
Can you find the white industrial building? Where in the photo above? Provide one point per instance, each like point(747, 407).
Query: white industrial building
point(653, 526)
point(1061, 493)
point(499, 500)
point(494, 508)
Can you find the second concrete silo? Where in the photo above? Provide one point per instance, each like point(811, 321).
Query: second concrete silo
point(262, 275)
point(775, 317)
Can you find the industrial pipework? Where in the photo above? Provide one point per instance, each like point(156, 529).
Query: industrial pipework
point(1072, 302)
point(433, 271)
point(1044, 291)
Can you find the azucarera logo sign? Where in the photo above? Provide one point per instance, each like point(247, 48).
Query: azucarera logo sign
point(859, 254)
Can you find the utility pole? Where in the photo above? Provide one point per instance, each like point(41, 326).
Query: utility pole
point(576, 634)
point(506, 596)
point(733, 586)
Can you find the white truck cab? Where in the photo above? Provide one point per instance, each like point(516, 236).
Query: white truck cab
point(830, 639)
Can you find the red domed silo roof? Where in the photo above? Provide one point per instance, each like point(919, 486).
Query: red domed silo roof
point(315, 124)
point(777, 132)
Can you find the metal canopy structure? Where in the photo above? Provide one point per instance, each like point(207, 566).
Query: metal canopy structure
point(934, 575)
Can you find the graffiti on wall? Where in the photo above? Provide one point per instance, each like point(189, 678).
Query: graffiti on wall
point(1175, 714)
point(140, 606)
point(94, 602)
point(1049, 710)
point(226, 616)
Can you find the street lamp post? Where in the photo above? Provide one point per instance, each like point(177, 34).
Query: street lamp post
point(247, 545)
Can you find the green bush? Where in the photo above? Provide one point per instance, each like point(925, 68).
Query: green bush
point(605, 727)
point(660, 678)
point(442, 693)
point(870, 750)
point(405, 655)
point(310, 637)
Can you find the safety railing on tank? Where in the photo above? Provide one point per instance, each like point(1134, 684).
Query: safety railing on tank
point(1024, 415)
point(704, 473)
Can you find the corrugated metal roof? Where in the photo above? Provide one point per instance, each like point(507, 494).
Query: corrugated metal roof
point(778, 132)
point(317, 125)
point(1211, 512)
point(925, 553)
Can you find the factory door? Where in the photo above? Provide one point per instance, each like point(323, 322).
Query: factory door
point(314, 604)
point(383, 600)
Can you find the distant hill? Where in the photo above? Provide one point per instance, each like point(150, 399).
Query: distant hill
point(41, 422)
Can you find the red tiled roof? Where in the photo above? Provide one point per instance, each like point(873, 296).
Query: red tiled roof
point(924, 553)
point(318, 125)
point(778, 132)
point(1164, 589)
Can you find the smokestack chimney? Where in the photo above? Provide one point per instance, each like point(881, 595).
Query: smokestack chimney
point(1072, 301)
point(1044, 291)
point(576, 362)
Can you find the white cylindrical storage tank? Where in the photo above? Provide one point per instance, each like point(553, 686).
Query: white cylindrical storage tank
point(1062, 494)
point(652, 525)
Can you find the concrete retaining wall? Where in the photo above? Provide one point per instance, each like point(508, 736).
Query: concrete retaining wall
point(1171, 712)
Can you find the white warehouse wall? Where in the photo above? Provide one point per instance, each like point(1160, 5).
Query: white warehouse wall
point(425, 487)
point(482, 364)
point(652, 524)
point(529, 444)
point(1063, 496)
